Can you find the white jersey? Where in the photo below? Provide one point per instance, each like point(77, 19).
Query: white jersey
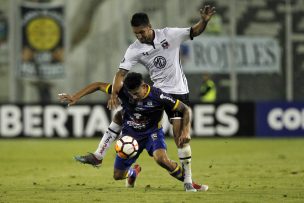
point(162, 59)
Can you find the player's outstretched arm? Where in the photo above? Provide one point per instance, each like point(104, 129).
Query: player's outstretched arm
point(117, 85)
point(186, 124)
point(206, 13)
point(93, 87)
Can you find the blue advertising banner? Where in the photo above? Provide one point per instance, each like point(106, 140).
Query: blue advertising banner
point(278, 119)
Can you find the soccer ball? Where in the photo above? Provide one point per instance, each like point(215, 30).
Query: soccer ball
point(126, 147)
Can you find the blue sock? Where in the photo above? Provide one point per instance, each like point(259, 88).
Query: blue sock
point(132, 173)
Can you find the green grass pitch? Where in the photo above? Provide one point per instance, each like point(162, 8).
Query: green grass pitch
point(236, 170)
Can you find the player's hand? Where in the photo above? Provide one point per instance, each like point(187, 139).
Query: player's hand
point(207, 12)
point(113, 102)
point(184, 137)
point(66, 98)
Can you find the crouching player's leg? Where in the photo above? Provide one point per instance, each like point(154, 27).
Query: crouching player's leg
point(95, 159)
point(123, 169)
point(128, 173)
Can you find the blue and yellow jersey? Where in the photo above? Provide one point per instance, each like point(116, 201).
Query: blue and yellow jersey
point(141, 118)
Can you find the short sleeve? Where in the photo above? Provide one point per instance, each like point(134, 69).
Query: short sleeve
point(167, 100)
point(129, 60)
point(179, 34)
point(109, 89)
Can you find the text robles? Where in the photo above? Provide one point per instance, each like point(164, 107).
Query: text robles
point(254, 54)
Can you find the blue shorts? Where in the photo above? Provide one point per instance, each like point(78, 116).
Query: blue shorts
point(151, 143)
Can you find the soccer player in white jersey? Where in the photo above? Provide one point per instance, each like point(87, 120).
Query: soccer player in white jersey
point(158, 51)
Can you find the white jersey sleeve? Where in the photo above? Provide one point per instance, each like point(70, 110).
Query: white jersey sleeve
point(130, 59)
point(179, 34)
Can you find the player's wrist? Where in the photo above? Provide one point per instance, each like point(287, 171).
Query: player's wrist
point(75, 98)
point(204, 20)
point(114, 95)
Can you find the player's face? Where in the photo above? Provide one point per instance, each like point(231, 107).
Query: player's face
point(143, 33)
point(139, 93)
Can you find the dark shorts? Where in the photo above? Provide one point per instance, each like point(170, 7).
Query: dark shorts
point(182, 97)
point(153, 142)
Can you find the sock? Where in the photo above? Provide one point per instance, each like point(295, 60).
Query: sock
point(184, 155)
point(177, 173)
point(108, 137)
point(131, 173)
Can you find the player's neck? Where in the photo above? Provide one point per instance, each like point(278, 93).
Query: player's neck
point(151, 41)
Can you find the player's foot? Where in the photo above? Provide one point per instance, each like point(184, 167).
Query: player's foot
point(198, 187)
point(130, 181)
point(88, 159)
point(189, 187)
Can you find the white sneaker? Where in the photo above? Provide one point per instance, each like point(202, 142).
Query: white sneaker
point(198, 187)
point(189, 187)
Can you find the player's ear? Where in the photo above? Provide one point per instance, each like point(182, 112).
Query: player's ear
point(149, 25)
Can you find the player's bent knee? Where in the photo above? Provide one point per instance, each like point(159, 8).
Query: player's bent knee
point(118, 118)
point(118, 175)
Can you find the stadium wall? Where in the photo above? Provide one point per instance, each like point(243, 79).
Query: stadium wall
point(262, 119)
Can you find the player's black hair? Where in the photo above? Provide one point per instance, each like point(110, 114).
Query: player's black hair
point(133, 81)
point(139, 19)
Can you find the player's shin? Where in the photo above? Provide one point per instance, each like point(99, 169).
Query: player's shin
point(109, 136)
point(184, 155)
point(177, 173)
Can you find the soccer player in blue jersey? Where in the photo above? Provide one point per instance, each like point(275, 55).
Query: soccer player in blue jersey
point(142, 111)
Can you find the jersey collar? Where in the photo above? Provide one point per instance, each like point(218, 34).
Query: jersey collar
point(152, 43)
point(153, 36)
point(148, 92)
